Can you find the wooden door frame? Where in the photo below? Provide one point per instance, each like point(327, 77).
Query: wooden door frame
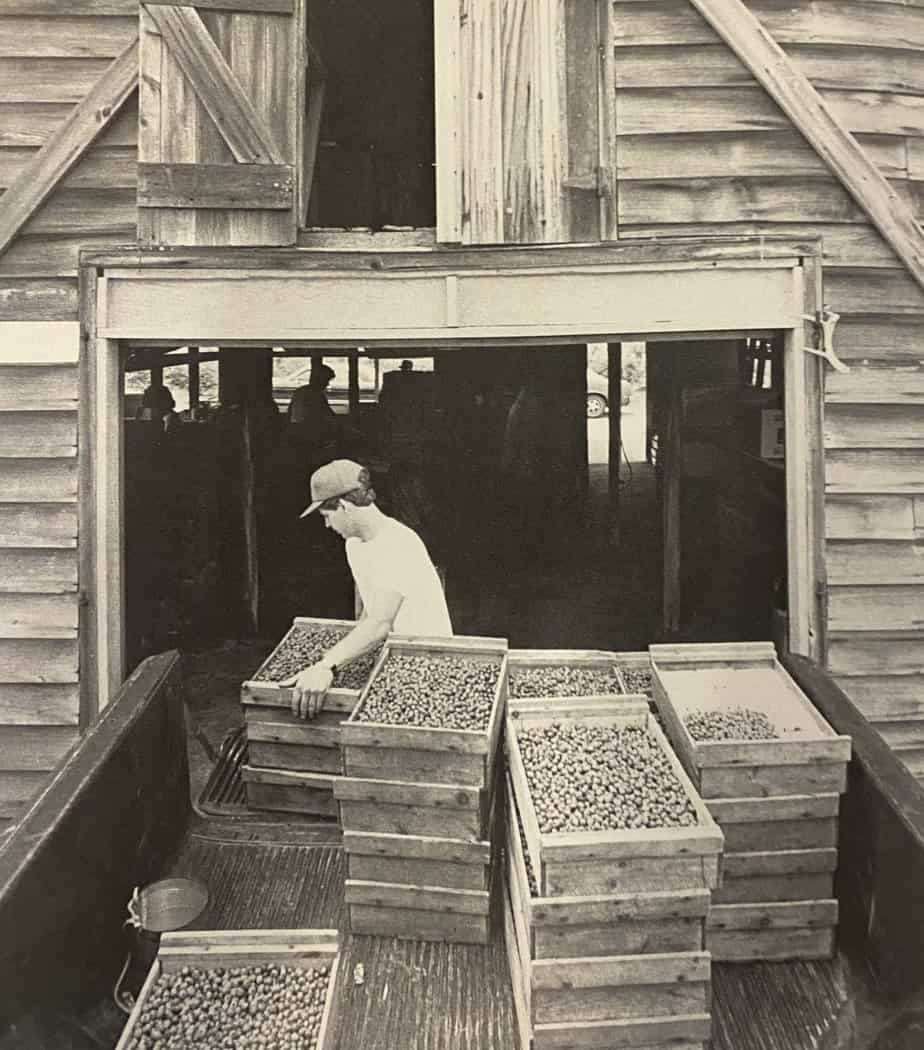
point(498, 296)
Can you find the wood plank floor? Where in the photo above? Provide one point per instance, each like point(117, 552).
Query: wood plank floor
point(432, 996)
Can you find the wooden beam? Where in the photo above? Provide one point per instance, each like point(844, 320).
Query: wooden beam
point(66, 146)
point(215, 186)
point(254, 7)
point(218, 89)
point(795, 95)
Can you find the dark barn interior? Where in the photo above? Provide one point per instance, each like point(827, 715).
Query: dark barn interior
point(487, 456)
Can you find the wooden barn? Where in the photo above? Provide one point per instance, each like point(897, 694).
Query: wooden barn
point(474, 180)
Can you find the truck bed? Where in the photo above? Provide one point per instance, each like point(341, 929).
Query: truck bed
point(435, 996)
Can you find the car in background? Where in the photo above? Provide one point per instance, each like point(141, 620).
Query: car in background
point(598, 393)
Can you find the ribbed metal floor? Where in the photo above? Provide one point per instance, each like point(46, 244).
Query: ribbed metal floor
point(432, 996)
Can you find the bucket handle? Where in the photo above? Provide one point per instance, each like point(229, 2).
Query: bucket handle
point(134, 909)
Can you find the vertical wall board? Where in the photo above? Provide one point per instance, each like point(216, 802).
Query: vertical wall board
point(213, 225)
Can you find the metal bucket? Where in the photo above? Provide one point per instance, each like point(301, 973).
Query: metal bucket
point(169, 904)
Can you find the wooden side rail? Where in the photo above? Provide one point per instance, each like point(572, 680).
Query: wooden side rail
point(110, 818)
point(880, 878)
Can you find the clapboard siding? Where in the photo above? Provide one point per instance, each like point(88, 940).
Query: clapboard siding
point(893, 653)
point(880, 336)
point(702, 150)
point(873, 426)
point(887, 696)
point(38, 525)
point(51, 433)
point(25, 748)
point(883, 382)
point(50, 704)
point(871, 517)
point(30, 123)
point(895, 607)
point(106, 167)
point(714, 65)
point(49, 79)
point(873, 469)
point(30, 36)
point(28, 478)
point(879, 561)
point(781, 153)
point(39, 604)
point(27, 614)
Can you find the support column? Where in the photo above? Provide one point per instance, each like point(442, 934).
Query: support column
point(614, 396)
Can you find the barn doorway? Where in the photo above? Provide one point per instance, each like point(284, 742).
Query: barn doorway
point(512, 310)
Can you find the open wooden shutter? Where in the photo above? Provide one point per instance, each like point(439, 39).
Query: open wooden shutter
point(524, 121)
point(221, 97)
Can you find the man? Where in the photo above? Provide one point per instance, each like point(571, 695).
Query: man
point(309, 403)
point(396, 580)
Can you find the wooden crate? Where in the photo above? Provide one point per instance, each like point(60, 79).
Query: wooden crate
point(277, 739)
point(772, 930)
point(594, 659)
point(375, 751)
point(290, 791)
point(634, 661)
point(271, 694)
point(416, 860)
point(608, 862)
point(599, 970)
point(778, 875)
point(808, 758)
point(636, 923)
point(213, 949)
point(776, 800)
point(451, 899)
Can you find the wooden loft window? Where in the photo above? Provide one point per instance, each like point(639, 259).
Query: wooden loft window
point(374, 132)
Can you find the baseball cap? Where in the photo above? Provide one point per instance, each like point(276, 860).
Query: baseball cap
point(335, 479)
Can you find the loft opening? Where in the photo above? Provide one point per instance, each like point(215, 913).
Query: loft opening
point(375, 139)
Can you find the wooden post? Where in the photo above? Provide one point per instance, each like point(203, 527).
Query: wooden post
point(614, 375)
point(157, 375)
point(354, 385)
point(670, 514)
point(194, 377)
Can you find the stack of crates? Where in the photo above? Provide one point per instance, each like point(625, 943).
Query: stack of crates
point(293, 764)
point(418, 809)
point(776, 799)
point(605, 930)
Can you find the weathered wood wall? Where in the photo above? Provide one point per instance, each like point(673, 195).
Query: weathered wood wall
point(702, 150)
point(39, 703)
point(48, 63)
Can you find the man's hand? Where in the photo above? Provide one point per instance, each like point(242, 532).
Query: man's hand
point(309, 690)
